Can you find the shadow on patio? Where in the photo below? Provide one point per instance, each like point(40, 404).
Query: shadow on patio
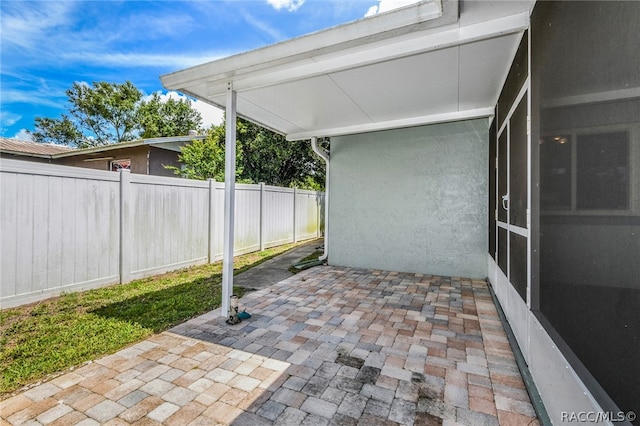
point(327, 346)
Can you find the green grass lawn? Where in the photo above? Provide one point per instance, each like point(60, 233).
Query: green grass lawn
point(47, 337)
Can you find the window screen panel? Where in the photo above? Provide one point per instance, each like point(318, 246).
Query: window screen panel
point(502, 250)
point(518, 194)
point(585, 63)
point(502, 175)
point(517, 76)
point(555, 172)
point(603, 171)
point(518, 264)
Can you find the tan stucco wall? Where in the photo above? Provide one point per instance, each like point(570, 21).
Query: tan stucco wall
point(137, 155)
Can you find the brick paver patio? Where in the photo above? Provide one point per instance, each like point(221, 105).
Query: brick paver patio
point(327, 346)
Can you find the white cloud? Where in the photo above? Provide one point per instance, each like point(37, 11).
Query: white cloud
point(9, 118)
point(211, 115)
point(372, 11)
point(26, 25)
point(290, 5)
point(136, 60)
point(33, 97)
point(387, 5)
point(263, 26)
point(23, 135)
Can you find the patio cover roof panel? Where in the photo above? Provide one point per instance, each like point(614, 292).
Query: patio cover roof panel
point(422, 71)
point(407, 82)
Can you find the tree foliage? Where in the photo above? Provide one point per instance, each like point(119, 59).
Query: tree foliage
point(204, 158)
point(173, 117)
point(108, 110)
point(268, 157)
point(104, 113)
point(51, 130)
point(261, 156)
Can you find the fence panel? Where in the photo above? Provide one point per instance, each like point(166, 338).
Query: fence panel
point(68, 228)
point(58, 230)
point(307, 208)
point(278, 216)
point(170, 223)
point(247, 219)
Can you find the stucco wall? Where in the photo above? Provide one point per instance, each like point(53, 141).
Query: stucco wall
point(411, 200)
point(137, 155)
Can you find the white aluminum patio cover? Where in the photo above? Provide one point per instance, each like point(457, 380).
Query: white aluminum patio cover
point(431, 62)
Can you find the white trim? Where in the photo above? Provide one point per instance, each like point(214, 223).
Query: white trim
point(529, 179)
point(395, 124)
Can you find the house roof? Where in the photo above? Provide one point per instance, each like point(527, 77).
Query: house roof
point(430, 62)
point(32, 149)
point(172, 143)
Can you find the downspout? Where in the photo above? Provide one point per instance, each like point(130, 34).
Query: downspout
point(325, 156)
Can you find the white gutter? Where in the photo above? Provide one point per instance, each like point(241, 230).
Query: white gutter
point(325, 156)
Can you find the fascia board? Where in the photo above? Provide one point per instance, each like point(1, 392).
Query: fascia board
point(395, 124)
point(98, 149)
point(389, 24)
point(25, 154)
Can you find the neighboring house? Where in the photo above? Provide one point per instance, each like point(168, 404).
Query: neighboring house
point(17, 149)
point(144, 156)
point(481, 139)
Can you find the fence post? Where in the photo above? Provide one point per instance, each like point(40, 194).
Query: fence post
point(211, 212)
point(125, 225)
point(262, 216)
point(317, 214)
point(295, 210)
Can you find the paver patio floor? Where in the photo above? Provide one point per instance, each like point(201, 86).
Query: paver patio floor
point(330, 345)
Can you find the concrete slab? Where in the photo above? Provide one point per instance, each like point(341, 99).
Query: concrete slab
point(275, 270)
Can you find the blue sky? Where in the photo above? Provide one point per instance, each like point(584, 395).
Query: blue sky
point(48, 45)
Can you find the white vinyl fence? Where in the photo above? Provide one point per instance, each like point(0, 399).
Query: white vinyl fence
point(66, 228)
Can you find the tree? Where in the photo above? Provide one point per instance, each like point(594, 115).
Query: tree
point(105, 113)
point(268, 157)
point(261, 156)
point(98, 115)
point(52, 130)
point(204, 158)
point(172, 117)
point(107, 110)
